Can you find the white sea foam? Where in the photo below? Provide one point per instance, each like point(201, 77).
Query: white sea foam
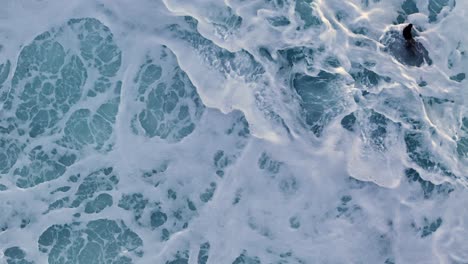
point(261, 131)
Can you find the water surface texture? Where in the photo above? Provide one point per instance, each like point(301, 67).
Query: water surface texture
point(209, 131)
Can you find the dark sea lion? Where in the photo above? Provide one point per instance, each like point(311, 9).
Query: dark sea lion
point(407, 32)
point(408, 35)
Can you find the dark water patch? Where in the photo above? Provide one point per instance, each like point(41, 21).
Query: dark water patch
point(278, 21)
point(134, 202)
point(96, 182)
point(48, 81)
point(203, 253)
point(459, 77)
point(431, 227)
point(208, 193)
point(158, 219)
point(10, 150)
point(294, 222)
point(44, 165)
point(99, 241)
point(181, 257)
point(435, 7)
point(297, 55)
point(365, 78)
point(416, 147)
point(265, 162)
point(320, 99)
point(462, 143)
point(102, 201)
point(427, 227)
point(408, 7)
point(429, 189)
point(172, 105)
point(16, 255)
point(304, 10)
point(244, 258)
point(348, 122)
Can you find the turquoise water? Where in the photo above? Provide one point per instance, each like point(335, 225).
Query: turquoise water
point(263, 131)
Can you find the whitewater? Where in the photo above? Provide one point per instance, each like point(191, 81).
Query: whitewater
point(233, 131)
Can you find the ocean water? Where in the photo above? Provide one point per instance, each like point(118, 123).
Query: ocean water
point(235, 131)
